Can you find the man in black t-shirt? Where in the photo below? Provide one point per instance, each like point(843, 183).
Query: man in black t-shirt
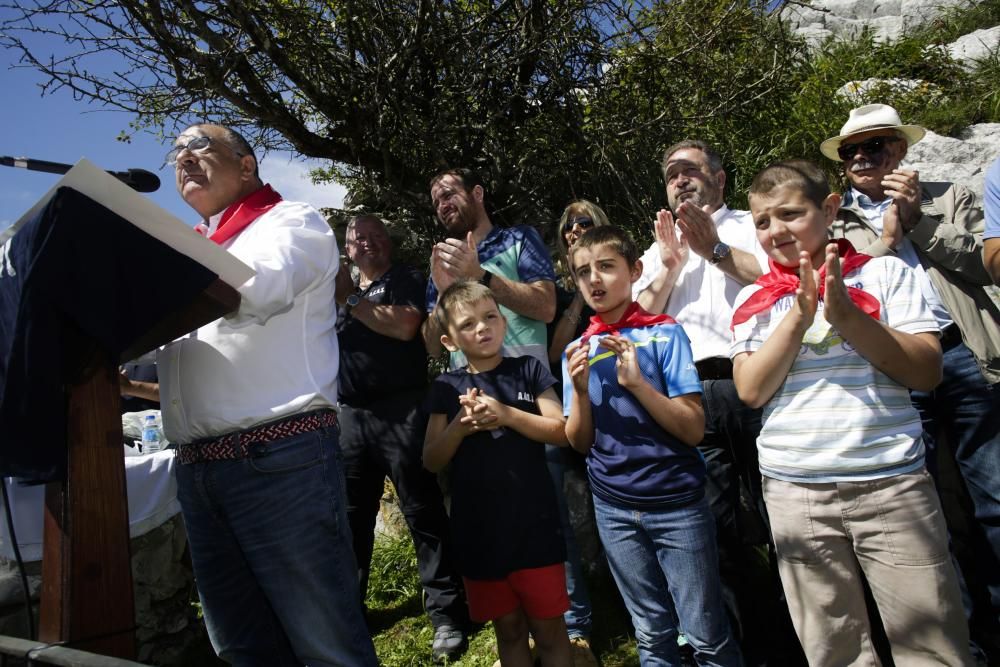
point(383, 377)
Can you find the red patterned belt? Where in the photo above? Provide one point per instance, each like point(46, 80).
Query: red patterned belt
point(238, 445)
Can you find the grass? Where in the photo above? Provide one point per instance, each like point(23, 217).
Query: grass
point(402, 632)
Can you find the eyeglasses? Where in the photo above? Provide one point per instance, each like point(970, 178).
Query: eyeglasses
point(196, 145)
point(583, 222)
point(869, 146)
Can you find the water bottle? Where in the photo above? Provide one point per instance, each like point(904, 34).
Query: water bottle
point(152, 436)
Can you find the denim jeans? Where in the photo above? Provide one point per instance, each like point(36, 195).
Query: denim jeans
point(667, 570)
point(578, 616)
point(966, 409)
point(386, 438)
point(272, 557)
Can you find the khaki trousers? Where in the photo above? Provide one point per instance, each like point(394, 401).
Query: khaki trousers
point(891, 530)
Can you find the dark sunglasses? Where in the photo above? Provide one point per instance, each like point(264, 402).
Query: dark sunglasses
point(869, 146)
point(582, 221)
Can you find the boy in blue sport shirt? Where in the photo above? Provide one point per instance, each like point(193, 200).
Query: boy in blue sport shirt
point(489, 420)
point(633, 400)
point(828, 343)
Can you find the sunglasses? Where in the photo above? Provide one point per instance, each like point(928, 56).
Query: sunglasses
point(869, 146)
point(583, 222)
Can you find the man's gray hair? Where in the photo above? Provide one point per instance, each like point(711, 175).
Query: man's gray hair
point(237, 142)
point(371, 217)
point(714, 159)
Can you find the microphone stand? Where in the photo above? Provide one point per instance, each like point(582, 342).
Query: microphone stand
point(139, 180)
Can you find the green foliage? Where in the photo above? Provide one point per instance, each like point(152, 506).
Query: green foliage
point(550, 101)
point(393, 580)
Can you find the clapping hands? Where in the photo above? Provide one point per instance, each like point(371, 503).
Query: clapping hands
point(481, 412)
point(452, 259)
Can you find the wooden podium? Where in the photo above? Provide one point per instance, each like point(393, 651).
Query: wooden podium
point(82, 243)
point(87, 599)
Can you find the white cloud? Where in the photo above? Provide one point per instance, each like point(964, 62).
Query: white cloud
point(290, 177)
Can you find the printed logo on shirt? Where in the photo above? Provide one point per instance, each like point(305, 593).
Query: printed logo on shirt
point(525, 396)
point(785, 303)
point(820, 337)
point(6, 265)
point(375, 292)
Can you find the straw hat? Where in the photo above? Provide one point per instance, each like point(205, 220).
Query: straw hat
point(871, 117)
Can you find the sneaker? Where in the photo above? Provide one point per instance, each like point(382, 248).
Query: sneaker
point(449, 642)
point(581, 652)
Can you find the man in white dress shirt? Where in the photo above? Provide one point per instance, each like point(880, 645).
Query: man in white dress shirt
point(704, 253)
point(249, 398)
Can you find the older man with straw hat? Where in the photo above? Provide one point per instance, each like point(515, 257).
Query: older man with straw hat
point(937, 229)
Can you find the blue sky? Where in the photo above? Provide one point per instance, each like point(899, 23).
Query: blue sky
point(58, 128)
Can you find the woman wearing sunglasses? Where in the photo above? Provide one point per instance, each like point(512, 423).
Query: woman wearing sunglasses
point(571, 318)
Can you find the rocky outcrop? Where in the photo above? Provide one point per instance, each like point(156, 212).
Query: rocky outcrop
point(976, 46)
point(888, 19)
point(961, 160)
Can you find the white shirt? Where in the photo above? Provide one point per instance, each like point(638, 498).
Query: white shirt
point(277, 355)
point(905, 251)
point(703, 296)
point(837, 418)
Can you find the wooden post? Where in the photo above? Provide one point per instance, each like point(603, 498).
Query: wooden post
point(86, 598)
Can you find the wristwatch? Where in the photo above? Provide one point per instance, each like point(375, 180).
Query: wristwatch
point(352, 301)
point(720, 252)
point(487, 277)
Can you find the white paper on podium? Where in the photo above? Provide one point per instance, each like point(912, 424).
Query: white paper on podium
point(87, 178)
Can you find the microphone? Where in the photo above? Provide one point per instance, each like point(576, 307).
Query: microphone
point(139, 180)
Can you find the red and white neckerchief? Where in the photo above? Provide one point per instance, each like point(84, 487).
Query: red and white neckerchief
point(782, 280)
point(635, 316)
point(239, 215)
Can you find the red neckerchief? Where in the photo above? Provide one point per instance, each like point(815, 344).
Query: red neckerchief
point(242, 213)
point(784, 280)
point(635, 316)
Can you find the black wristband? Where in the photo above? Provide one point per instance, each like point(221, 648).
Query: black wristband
point(486, 279)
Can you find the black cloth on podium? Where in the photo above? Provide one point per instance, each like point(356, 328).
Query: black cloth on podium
point(74, 279)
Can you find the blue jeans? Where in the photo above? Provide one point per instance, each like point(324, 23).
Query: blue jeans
point(667, 569)
point(272, 555)
point(578, 616)
point(966, 409)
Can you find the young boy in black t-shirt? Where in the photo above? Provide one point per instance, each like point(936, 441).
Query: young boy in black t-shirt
point(490, 420)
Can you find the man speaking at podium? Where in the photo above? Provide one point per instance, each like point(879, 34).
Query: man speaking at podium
point(250, 399)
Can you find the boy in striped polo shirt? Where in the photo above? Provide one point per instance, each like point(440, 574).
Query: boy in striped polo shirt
point(829, 343)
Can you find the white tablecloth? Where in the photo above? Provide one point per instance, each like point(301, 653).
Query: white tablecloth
point(152, 499)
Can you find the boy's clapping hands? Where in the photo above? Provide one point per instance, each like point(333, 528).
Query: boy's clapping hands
point(578, 364)
point(481, 412)
point(807, 295)
point(627, 366)
point(838, 303)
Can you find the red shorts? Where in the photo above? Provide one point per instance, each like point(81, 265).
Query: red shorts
point(540, 591)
